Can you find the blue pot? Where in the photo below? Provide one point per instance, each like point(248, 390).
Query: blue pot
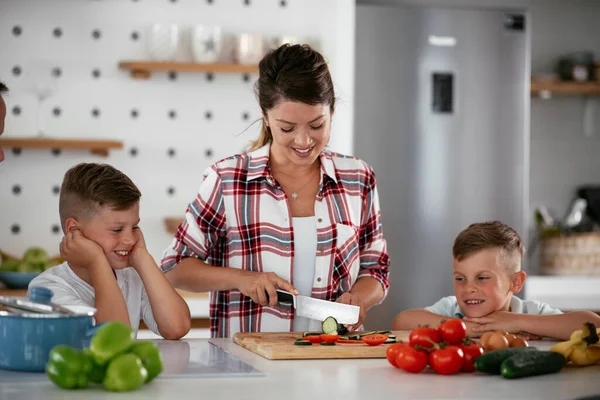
point(27, 338)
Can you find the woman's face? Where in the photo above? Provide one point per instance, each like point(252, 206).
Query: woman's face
point(300, 131)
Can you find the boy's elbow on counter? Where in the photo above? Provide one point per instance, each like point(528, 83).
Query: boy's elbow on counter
point(176, 331)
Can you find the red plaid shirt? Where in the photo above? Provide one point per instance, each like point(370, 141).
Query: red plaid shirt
point(240, 219)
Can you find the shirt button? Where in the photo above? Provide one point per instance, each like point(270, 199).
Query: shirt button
point(318, 279)
point(320, 220)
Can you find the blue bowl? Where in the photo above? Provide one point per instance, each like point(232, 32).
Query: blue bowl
point(17, 280)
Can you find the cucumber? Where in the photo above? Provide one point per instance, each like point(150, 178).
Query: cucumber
point(329, 326)
point(305, 334)
point(532, 363)
point(327, 343)
point(490, 362)
point(301, 342)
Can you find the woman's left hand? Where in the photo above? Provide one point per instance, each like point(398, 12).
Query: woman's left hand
point(353, 300)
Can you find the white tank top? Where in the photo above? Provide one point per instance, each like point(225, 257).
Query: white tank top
point(305, 257)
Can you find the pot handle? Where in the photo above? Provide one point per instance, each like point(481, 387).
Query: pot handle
point(92, 330)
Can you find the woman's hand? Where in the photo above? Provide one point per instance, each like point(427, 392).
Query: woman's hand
point(354, 300)
point(261, 287)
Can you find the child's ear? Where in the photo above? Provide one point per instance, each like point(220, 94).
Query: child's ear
point(71, 224)
point(517, 281)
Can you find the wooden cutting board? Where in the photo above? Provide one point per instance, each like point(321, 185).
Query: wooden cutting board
point(280, 346)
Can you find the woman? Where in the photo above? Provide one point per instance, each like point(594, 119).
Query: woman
point(286, 211)
point(3, 89)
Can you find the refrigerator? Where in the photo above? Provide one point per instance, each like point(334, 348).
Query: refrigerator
point(442, 115)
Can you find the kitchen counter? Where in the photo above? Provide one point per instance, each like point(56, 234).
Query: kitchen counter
point(249, 376)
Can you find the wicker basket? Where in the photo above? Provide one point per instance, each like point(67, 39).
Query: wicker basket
point(571, 254)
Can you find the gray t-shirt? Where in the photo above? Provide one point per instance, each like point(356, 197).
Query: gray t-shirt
point(448, 307)
point(69, 289)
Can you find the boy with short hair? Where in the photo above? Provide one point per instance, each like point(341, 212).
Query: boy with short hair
point(107, 264)
point(487, 275)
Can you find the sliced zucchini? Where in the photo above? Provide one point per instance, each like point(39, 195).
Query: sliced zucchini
point(305, 334)
point(330, 325)
point(342, 330)
point(302, 342)
point(367, 333)
point(327, 343)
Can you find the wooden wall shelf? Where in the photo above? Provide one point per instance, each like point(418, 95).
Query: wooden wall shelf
point(98, 147)
point(172, 223)
point(566, 88)
point(143, 69)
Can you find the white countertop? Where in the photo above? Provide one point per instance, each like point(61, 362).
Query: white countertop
point(323, 379)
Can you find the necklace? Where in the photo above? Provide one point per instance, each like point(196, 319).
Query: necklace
point(295, 192)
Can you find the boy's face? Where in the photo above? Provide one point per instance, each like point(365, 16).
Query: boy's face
point(482, 284)
point(115, 231)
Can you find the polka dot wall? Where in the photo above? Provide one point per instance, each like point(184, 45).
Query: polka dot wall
point(60, 61)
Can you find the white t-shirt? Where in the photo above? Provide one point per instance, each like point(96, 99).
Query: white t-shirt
point(305, 257)
point(69, 289)
point(448, 307)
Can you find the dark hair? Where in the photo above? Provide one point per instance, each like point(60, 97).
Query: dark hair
point(487, 235)
point(293, 73)
point(3, 88)
point(88, 186)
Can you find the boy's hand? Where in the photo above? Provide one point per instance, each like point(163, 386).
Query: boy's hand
point(496, 321)
point(139, 251)
point(472, 329)
point(76, 249)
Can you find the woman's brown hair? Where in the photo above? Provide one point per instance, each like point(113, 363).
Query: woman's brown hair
point(294, 73)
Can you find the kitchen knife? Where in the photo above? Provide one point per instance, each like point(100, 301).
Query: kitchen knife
point(311, 308)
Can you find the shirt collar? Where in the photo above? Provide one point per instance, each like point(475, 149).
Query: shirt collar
point(258, 165)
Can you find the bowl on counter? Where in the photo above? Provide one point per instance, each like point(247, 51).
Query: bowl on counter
point(17, 280)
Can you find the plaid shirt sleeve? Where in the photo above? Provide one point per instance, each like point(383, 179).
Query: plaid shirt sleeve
point(374, 258)
point(198, 235)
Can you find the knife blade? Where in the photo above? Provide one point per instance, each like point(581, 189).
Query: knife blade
point(316, 309)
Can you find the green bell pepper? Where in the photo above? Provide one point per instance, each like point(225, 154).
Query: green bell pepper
point(68, 367)
point(150, 355)
point(111, 339)
point(97, 372)
point(125, 372)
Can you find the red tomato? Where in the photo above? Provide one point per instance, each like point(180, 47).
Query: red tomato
point(392, 352)
point(425, 337)
point(374, 340)
point(471, 351)
point(329, 338)
point(313, 338)
point(411, 359)
point(347, 341)
point(446, 361)
point(453, 331)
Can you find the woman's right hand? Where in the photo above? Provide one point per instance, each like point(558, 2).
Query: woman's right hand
point(261, 287)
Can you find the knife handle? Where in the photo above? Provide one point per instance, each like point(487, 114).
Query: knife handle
point(284, 297)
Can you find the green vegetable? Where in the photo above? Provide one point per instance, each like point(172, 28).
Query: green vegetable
point(68, 367)
point(150, 356)
point(112, 339)
point(125, 372)
point(97, 372)
point(301, 342)
point(532, 363)
point(490, 362)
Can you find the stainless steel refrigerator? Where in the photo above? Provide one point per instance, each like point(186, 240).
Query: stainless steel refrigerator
point(442, 114)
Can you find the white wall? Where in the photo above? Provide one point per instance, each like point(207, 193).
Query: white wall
point(196, 140)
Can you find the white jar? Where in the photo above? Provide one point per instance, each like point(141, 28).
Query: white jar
point(162, 42)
